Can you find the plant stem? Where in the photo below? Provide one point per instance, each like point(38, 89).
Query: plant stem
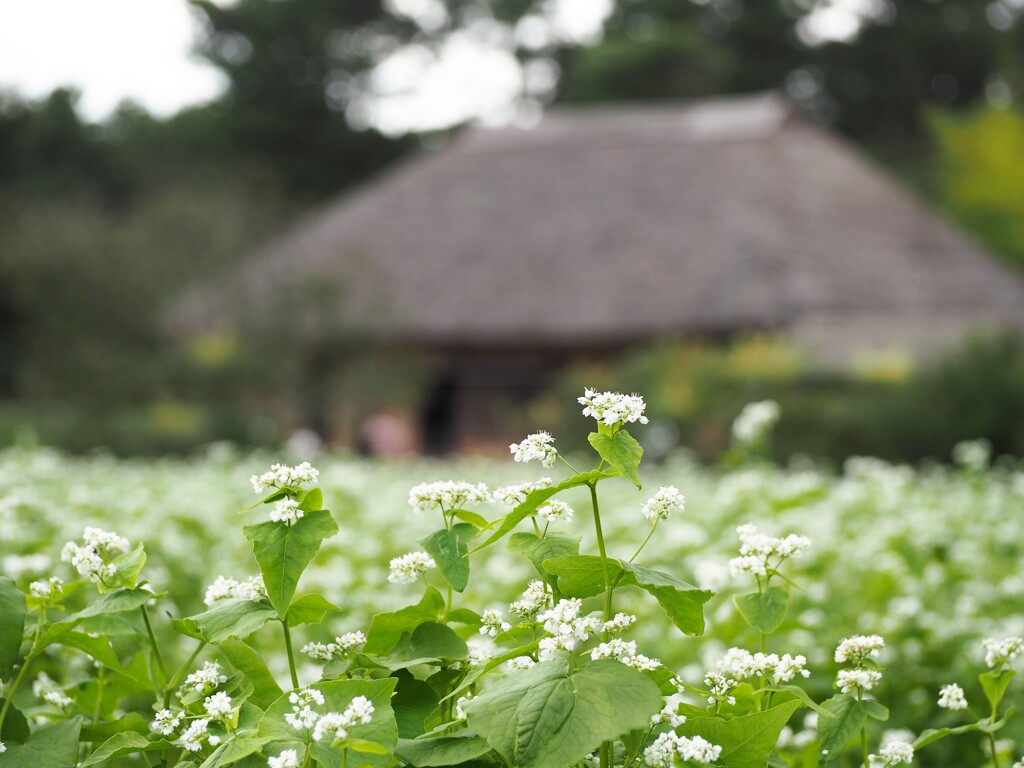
point(570, 466)
point(101, 679)
point(606, 747)
point(152, 642)
point(291, 655)
point(9, 694)
point(863, 736)
point(447, 604)
point(992, 746)
point(644, 544)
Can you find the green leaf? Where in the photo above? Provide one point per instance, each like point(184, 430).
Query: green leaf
point(746, 741)
point(994, 684)
point(442, 750)
point(413, 702)
point(551, 716)
point(535, 498)
point(538, 549)
point(118, 601)
point(54, 746)
point(231, 751)
point(15, 727)
point(232, 618)
point(386, 629)
point(129, 567)
point(875, 710)
point(243, 658)
point(620, 450)
point(801, 695)
point(477, 521)
point(312, 500)
point(382, 729)
point(583, 576)
point(449, 548)
point(684, 603)
point(283, 552)
point(12, 625)
point(100, 732)
point(465, 616)
point(124, 744)
point(836, 733)
point(766, 611)
point(366, 747)
point(309, 609)
point(932, 735)
point(98, 647)
point(429, 642)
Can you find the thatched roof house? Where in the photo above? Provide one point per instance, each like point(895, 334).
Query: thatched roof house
point(603, 227)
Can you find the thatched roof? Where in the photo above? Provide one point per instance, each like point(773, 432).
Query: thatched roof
point(611, 224)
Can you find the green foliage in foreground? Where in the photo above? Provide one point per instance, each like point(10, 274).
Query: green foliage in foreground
point(557, 685)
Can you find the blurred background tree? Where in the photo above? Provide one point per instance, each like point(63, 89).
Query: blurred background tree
point(103, 225)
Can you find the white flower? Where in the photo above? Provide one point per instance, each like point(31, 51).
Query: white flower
point(348, 641)
point(93, 559)
point(535, 598)
point(662, 753)
point(192, 737)
point(741, 664)
point(857, 680)
point(57, 699)
point(45, 589)
point(624, 651)
point(302, 715)
point(555, 512)
point(952, 697)
point(223, 588)
point(460, 713)
point(204, 680)
point(42, 684)
point(493, 623)
point(668, 713)
point(755, 543)
point(105, 542)
point(446, 495)
point(166, 722)
point(520, 663)
point(755, 420)
point(341, 645)
point(3, 748)
point(720, 687)
point(999, 652)
point(667, 500)
point(218, 706)
point(289, 758)
point(407, 568)
point(478, 654)
point(858, 648)
point(896, 753)
point(336, 725)
point(283, 476)
point(620, 623)
point(318, 651)
point(613, 408)
point(286, 511)
point(972, 454)
point(514, 495)
point(536, 447)
point(741, 565)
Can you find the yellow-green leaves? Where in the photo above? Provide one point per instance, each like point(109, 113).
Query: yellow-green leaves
point(764, 611)
point(621, 451)
point(449, 548)
point(551, 716)
point(746, 741)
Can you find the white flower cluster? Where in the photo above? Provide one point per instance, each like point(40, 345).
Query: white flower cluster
point(952, 697)
point(755, 420)
point(566, 627)
point(514, 495)
point(741, 664)
point(93, 558)
point(895, 753)
point(555, 512)
point(289, 758)
point(756, 549)
point(858, 648)
point(223, 588)
point(720, 687)
point(198, 730)
point(166, 722)
point(999, 653)
point(447, 495)
point(858, 679)
point(407, 568)
point(303, 715)
point(58, 699)
point(341, 645)
point(460, 713)
point(3, 747)
point(493, 623)
point(624, 651)
point(612, 408)
point(204, 680)
point(520, 663)
point(286, 511)
point(972, 454)
point(669, 714)
point(536, 447)
point(667, 747)
point(46, 589)
point(619, 623)
point(336, 725)
point(534, 599)
point(282, 476)
point(667, 500)
point(478, 654)
point(218, 706)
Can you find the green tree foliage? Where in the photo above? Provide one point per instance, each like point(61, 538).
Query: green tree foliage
point(981, 174)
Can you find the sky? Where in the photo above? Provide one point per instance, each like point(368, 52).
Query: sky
point(45, 44)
